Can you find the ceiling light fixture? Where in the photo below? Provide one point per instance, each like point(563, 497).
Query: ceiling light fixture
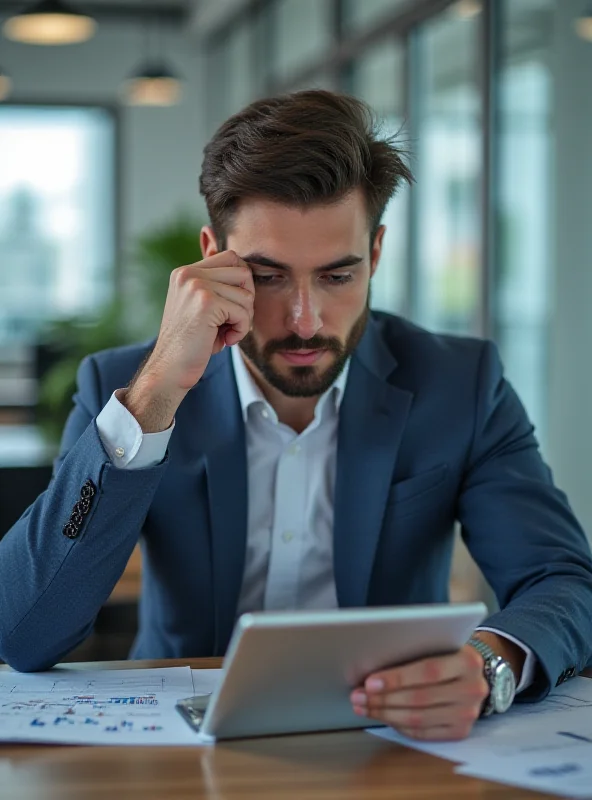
point(5, 85)
point(154, 83)
point(467, 9)
point(583, 25)
point(50, 22)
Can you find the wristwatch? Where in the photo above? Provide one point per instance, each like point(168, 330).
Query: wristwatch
point(500, 678)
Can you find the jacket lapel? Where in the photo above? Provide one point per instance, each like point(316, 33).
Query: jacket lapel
point(219, 421)
point(371, 423)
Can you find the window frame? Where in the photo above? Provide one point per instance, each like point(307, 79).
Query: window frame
point(117, 183)
point(114, 111)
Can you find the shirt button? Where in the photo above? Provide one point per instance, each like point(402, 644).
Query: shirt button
point(287, 536)
point(265, 413)
point(119, 452)
point(294, 450)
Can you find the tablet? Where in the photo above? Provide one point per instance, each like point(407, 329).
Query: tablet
point(293, 671)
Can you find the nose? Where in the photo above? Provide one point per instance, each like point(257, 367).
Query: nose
point(304, 318)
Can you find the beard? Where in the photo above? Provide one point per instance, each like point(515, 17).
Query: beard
point(304, 381)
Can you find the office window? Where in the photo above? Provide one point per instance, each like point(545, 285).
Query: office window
point(524, 222)
point(241, 83)
point(57, 223)
point(446, 98)
point(303, 34)
point(377, 77)
point(362, 14)
point(235, 71)
point(325, 79)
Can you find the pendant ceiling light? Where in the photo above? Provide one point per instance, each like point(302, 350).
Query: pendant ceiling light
point(584, 25)
point(154, 83)
point(50, 22)
point(467, 9)
point(5, 85)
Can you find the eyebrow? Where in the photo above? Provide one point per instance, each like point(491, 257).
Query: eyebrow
point(260, 260)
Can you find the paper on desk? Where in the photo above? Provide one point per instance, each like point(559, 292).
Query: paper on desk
point(567, 772)
point(524, 728)
point(205, 680)
point(115, 707)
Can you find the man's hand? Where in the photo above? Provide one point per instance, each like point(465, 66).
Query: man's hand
point(208, 305)
point(434, 699)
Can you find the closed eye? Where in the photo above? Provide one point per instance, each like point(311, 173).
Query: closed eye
point(329, 278)
point(266, 280)
point(337, 279)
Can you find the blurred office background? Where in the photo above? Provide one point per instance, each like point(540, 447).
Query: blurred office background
point(99, 197)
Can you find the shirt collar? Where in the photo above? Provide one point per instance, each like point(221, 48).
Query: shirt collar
point(249, 393)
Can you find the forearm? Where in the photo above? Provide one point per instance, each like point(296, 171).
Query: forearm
point(52, 586)
point(553, 619)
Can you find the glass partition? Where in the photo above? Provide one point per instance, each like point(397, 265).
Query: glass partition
point(524, 222)
point(448, 143)
point(378, 77)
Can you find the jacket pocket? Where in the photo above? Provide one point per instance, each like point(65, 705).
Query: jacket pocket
point(417, 485)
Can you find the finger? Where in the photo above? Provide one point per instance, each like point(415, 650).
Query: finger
point(467, 689)
point(228, 259)
point(439, 669)
point(235, 276)
point(237, 325)
point(235, 294)
point(424, 718)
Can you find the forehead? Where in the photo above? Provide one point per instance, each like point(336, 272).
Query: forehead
point(318, 234)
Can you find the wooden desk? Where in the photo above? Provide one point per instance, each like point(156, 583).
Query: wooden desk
point(351, 765)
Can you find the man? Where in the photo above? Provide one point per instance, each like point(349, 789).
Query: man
point(279, 446)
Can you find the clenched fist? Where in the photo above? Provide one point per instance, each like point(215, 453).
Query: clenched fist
point(208, 305)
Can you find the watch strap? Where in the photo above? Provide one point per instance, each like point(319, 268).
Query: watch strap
point(490, 657)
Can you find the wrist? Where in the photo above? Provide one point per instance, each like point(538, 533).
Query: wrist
point(152, 401)
point(504, 648)
point(499, 677)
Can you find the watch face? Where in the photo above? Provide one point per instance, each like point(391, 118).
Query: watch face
point(504, 688)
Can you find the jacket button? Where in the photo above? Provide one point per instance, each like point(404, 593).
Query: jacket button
point(70, 530)
point(88, 490)
point(76, 519)
point(82, 507)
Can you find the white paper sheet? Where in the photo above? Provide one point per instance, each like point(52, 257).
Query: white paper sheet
point(549, 729)
point(567, 772)
point(114, 707)
point(205, 680)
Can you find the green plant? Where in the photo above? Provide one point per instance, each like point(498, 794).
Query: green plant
point(136, 315)
point(154, 256)
point(64, 344)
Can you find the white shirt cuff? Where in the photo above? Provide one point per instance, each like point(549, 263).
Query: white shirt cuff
point(528, 669)
point(122, 437)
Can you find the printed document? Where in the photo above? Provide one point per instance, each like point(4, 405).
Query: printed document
point(108, 707)
point(507, 747)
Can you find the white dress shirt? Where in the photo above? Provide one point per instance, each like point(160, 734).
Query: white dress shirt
point(291, 482)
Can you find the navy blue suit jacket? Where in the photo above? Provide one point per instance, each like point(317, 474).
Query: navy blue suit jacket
point(429, 433)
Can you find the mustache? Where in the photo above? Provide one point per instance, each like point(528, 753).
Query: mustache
point(294, 342)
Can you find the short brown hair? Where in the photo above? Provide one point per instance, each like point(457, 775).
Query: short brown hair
point(310, 147)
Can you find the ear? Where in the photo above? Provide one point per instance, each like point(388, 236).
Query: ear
point(376, 249)
point(207, 242)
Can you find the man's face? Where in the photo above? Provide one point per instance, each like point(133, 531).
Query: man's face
point(311, 270)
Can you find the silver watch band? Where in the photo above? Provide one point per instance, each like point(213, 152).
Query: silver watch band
point(491, 661)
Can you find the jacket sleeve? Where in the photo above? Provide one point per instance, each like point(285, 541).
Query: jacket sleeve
point(60, 561)
point(521, 531)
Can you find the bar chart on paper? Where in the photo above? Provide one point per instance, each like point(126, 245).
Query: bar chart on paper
point(102, 707)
